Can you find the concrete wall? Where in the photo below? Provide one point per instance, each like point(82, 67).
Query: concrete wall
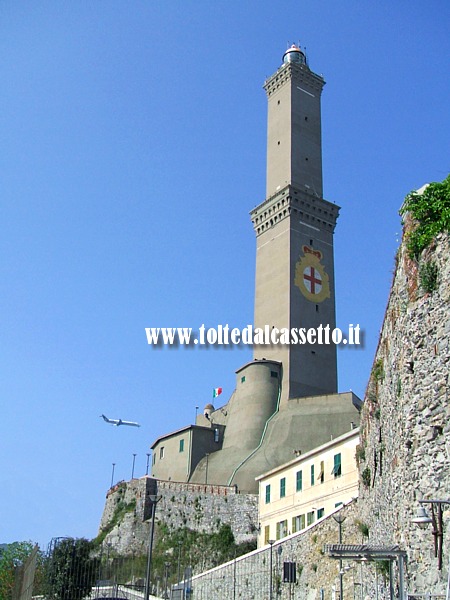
point(176, 455)
point(171, 456)
point(294, 145)
point(252, 404)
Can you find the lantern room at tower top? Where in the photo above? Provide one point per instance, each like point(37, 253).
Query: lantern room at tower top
point(294, 54)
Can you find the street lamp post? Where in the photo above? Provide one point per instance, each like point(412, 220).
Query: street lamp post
point(112, 474)
point(271, 542)
point(339, 518)
point(166, 577)
point(153, 501)
point(180, 543)
point(422, 519)
point(148, 462)
point(132, 470)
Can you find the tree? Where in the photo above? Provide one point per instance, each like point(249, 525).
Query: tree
point(71, 571)
point(11, 558)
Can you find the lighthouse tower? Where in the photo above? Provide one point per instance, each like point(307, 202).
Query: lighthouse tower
point(294, 229)
point(285, 399)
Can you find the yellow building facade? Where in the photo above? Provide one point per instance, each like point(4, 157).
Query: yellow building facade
point(308, 488)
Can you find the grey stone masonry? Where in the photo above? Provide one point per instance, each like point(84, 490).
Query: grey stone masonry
point(248, 577)
point(203, 507)
point(405, 424)
point(199, 507)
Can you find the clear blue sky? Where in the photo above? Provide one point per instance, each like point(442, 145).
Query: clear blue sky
point(132, 150)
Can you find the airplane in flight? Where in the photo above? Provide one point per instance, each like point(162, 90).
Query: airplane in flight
point(118, 422)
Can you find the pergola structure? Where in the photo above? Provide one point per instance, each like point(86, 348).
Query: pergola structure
point(368, 553)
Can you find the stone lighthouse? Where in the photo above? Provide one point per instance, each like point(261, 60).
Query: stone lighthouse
point(294, 231)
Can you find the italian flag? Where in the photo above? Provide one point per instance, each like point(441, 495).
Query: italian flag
point(217, 392)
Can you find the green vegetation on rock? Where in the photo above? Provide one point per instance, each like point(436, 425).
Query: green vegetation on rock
point(431, 212)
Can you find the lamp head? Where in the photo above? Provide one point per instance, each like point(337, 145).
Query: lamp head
point(422, 518)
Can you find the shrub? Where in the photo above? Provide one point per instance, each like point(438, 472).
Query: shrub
point(428, 276)
point(431, 211)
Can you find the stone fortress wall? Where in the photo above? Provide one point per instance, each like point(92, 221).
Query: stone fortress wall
point(200, 507)
point(405, 427)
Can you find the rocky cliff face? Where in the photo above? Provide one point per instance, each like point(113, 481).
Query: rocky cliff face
point(405, 426)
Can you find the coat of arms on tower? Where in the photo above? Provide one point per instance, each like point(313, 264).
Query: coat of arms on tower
point(310, 276)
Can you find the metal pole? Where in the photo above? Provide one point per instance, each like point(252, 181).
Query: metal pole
point(376, 580)
point(154, 500)
point(271, 542)
point(234, 577)
point(166, 577)
point(148, 461)
point(132, 470)
point(339, 518)
point(112, 474)
point(391, 580)
point(447, 596)
point(341, 575)
point(179, 561)
point(401, 578)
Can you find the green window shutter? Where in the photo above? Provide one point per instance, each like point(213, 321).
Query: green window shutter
point(312, 474)
point(267, 494)
point(337, 469)
point(299, 481)
point(282, 487)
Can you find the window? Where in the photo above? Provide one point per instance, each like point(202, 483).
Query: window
point(320, 512)
point(243, 379)
point(154, 458)
point(267, 494)
point(310, 518)
point(216, 435)
point(337, 504)
point(298, 523)
point(266, 534)
point(321, 475)
point(312, 474)
point(181, 448)
point(282, 487)
point(282, 529)
point(274, 374)
point(337, 469)
point(161, 452)
point(299, 481)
